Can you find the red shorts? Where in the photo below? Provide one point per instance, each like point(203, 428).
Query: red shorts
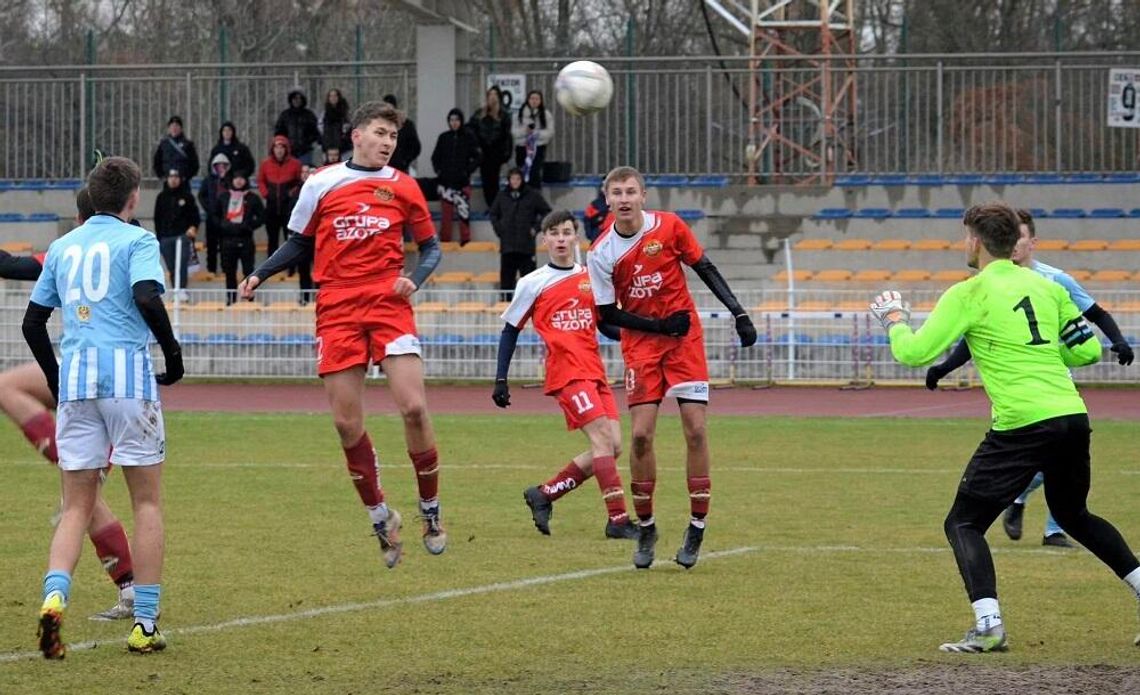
point(585, 401)
point(667, 367)
point(357, 325)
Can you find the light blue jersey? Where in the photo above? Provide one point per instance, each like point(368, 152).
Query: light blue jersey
point(1076, 292)
point(90, 273)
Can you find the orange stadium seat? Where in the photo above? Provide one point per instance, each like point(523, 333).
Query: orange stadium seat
point(490, 277)
point(281, 307)
point(1052, 244)
point(924, 304)
point(771, 305)
point(950, 275)
point(481, 247)
point(431, 307)
point(454, 277)
point(851, 245)
point(876, 275)
point(448, 246)
point(911, 275)
point(833, 275)
point(930, 245)
point(1089, 245)
point(797, 275)
point(206, 306)
point(497, 308)
point(851, 305)
point(1080, 275)
point(815, 305)
point(813, 244)
point(1111, 276)
point(891, 245)
point(16, 247)
point(243, 307)
point(468, 307)
point(1124, 245)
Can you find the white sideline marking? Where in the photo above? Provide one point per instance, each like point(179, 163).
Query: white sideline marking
point(498, 587)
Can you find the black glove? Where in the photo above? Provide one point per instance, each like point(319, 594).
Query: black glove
point(934, 375)
point(174, 369)
point(745, 330)
point(1123, 352)
point(675, 325)
point(502, 394)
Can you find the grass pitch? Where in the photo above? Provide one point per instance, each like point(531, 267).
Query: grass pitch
point(824, 551)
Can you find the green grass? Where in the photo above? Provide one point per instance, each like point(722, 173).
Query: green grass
point(847, 564)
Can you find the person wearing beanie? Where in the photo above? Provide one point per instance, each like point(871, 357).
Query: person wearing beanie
point(210, 190)
point(240, 212)
point(279, 182)
point(176, 221)
point(175, 151)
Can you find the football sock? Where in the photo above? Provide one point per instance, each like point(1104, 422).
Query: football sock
point(114, 551)
point(1132, 579)
point(146, 605)
point(57, 582)
point(700, 491)
point(378, 513)
point(364, 468)
point(643, 500)
point(609, 481)
point(426, 464)
point(564, 481)
point(40, 431)
point(986, 613)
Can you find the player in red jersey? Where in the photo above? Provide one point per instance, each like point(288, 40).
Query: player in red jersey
point(558, 298)
point(637, 264)
point(351, 215)
point(27, 400)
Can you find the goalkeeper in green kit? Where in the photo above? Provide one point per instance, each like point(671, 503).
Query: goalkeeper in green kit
point(1024, 332)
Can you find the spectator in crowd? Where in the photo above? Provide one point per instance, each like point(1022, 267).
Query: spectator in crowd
point(532, 130)
point(299, 125)
point(235, 150)
point(209, 192)
point(596, 213)
point(334, 124)
point(240, 212)
point(176, 151)
point(279, 181)
point(332, 156)
point(305, 263)
point(492, 127)
point(515, 216)
point(455, 156)
point(407, 142)
point(176, 222)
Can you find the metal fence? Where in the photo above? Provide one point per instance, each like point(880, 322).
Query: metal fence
point(685, 116)
point(805, 336)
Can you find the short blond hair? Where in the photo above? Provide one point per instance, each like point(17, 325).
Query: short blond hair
point(623, 173)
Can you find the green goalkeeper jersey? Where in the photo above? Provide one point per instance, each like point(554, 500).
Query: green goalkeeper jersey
point(1023, 331)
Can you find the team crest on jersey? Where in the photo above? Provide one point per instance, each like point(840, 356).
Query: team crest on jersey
point(83, 312)
point(652, 248)
point(584, 286)
point(384, 193)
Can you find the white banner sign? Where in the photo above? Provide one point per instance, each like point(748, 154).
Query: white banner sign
point(1123, 111)
point(513, 88)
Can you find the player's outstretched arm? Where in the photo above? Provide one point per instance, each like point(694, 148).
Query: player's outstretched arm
point(286, 255)
point(710, 275)
point(508, 339)
point(19, 267)
point(675, 324)
point(946, 323)
point(148, 299)
point(958, 357)
point(1107, 325)
point(36, 335)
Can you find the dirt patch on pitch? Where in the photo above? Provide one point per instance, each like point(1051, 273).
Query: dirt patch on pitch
point(938, 679)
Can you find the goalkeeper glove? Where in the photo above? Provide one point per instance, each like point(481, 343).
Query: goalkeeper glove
point(890, 308)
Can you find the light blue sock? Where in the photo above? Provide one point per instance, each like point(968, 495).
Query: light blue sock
point(1051, 525)
point(57, 581)
point(1033, 485)
point(146, 604)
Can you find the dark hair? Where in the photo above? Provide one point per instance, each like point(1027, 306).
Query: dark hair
point(622, 173)
point(1026, 218)
point(557, 217)
point(371, 110)
point(83, 205)
point(341, 108)
point(111, 184)
point(541, 108)
point(514, 170)
point(995, 223)
point(390, 98)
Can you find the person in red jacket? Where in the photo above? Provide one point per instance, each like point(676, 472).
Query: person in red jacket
point(279, 181)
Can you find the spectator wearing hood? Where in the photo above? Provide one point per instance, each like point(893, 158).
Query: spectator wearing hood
point(408, 145)
point(239, 212)
point(234, 149)
point(279, 181)
point(334, 123)
point(175, 151)
point(176, 222)
point(455, 156)
point(299, 124)
point(209, 191)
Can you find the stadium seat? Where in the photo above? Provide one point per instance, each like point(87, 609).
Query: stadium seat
point(454, 277)
point(189, 338)
point(834, 339)
point(964, 179)
point(950, 275)
point(912, 213)
point(1107, 213)
point(891, 245)
point(497, 308)
point(712, 181)
point(202, 276)
point(16, 247)
point(924, 304)
point(832, 275)
point(203, 307)
point(11, 217)
point(481, 247)
point(911, 275)
point(489, 277)
point(1089, 245)
point(1111, 276)
point(666, 180)
point(1120, 245)
point(1068, 213)
point(949, 213)
point(468, 307)
point(244, 307)
point(925, 180)
point(797, 275)
point(259, 339)
point(43, 217)
point(281, 307)
point(1043, 178)
point(1039, 213)
point(296, 339)
point(449, 246)
point(690, 214)
point(872, 214)
point(851, 180)
point(889, 180)
point(815, 305)
point(833, 214)
point(1122, 177)
point(1080, 275)
point(590, 181)
point(851, 245)
point(431, 307)
point(1084, 178)
point(871, 275)
point(222, 339)
point(1052, 244)
point(813, 244)
point(771, 305)
point(929, 245)
point(1003, 179)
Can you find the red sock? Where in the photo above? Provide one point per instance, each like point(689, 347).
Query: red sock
point(564, 481)
point(700, 490)
point(643, 498)
point(609, 480)
point(364, 468)
point(40, 431)
point(426, 464)
point(114, 552)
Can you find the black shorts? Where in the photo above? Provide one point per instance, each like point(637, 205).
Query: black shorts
point(1005, 462)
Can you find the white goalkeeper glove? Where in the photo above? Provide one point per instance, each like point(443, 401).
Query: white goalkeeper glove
point(890, 308)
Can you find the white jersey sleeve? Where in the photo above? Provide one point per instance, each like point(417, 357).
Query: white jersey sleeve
point(601, 267)
point(522, 305)
point(304, 216)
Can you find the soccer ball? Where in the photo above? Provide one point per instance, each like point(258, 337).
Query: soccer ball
point(583, 87)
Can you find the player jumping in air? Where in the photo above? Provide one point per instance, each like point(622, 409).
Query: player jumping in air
point(1024, 332)
point(636, 271)
point(351, 215)
point(558, 298)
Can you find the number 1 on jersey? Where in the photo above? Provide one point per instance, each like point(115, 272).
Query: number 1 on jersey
point(1027, 306)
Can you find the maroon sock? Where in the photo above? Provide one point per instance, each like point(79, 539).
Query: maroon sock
point(700, 490)
point(364, 468)
point(609, 481)
point(40, 431)
point(564, 481)
point(114, 551)
point(643, 498)
point(426, 464)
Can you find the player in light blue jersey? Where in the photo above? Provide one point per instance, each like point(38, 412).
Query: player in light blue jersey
point(1023, 256)
point(107, 279)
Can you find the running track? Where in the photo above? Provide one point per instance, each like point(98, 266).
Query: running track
point(1116, 404)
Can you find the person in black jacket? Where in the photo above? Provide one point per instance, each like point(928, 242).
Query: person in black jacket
point(336, 130)
point(176, 221)
point(515, 216)
point(234, 149)
point(492, 127)
point(455, 156)
point(408, 145)
point(209, 191)
point(176, 151)
point(299, 124)
point(240, 212)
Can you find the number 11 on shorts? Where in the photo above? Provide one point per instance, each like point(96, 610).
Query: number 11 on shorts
point(582, 402)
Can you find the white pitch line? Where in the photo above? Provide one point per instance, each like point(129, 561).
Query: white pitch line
point(499, 587)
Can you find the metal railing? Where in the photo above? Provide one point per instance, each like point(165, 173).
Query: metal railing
point(679, 115)
point(805, 336)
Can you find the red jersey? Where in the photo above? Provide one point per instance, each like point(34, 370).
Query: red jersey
point(644, 274)
point(357, 217)
point(562, 306)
